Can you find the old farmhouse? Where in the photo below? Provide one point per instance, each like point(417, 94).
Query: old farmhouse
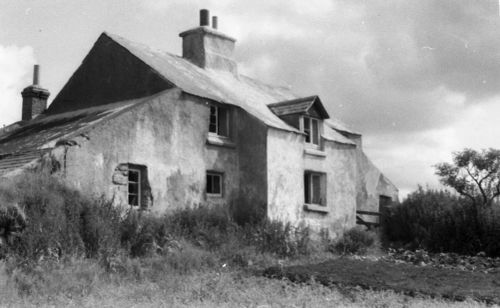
point(159, 132)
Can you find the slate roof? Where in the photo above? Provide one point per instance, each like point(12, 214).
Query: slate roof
point(11, 162)
point(298, 105)
point(45, 131)
point(223, 87)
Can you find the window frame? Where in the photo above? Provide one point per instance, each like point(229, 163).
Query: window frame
point(312, 131)
point(138, 183)
point(214, 174)
point(310, 191)
point(217, 115)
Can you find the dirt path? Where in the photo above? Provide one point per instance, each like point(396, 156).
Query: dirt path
point(405, 278)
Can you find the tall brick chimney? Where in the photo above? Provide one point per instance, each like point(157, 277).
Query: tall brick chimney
point(34, 97)
point(208, 48)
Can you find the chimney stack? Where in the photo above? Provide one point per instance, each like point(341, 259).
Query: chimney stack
point(208, 48)
point(204, 18)
point(214, 22)
point(34, 97)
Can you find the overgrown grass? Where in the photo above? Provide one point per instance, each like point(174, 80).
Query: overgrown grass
point(150, 282)
point(76, 251)
point(441, 222)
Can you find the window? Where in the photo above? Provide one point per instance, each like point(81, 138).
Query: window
point(214, 183)
point(134, 187)
point(219, 121)
point(315, 188)
point(311, 129)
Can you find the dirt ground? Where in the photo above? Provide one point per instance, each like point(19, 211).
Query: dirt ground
point(409, 279)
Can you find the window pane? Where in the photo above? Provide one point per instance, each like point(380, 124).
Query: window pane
point(307, 187)
point(307, 123)
point(133, 200)
point(217, 186)
point(315, 132)
point(212, 127)
point(316, 187)
point(307, 129)
point(133, 188)
point(209, 184)
point(133, 176)
point(223, 122)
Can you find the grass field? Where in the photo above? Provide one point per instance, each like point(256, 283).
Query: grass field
point(156, 283)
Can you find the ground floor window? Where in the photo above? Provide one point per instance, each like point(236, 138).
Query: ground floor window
point(214, 183)
point(315, 188)
point(134, 186)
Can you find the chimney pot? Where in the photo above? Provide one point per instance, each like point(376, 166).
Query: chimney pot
point(204, 17)
point(36, 74)
point(215, 23)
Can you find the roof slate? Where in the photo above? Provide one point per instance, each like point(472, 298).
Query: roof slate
point(299, 105)
point(220, 86)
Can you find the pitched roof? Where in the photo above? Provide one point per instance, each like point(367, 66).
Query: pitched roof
point(299, 105)
point(12, 162)
point(223, 87)
point(45, 132)
point(249, 94)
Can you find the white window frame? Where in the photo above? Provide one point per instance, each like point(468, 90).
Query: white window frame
point(310, 133)
point(139, 188)
point(217, 115)
point(311, 191)
point(220, 175)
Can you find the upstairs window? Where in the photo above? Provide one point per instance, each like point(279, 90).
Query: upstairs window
point(134, 187)
point(315, 188)
point(214, 183)
point(219, 121)
point(311, 129)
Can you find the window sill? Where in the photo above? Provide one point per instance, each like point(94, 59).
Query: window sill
point(214, 196)
point(316, 208)
point(315, 152)
point(221, 141)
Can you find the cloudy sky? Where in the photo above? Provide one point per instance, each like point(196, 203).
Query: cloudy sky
point(419, 79)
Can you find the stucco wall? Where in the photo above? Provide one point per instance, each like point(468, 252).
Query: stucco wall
point(371, 185)
point(252, 153)
point(287, 163)
point(168, 136)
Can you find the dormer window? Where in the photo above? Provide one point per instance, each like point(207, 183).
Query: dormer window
point(219, 121)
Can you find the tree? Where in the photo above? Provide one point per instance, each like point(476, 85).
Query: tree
point(473, 174)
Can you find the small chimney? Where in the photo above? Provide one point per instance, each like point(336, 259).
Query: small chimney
point(214, 22)
point(34, 97)
point(204, 18)
point(208, 48)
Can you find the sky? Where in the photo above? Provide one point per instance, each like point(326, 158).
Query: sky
point(419, 79)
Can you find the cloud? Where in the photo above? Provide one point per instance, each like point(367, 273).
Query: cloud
point(15, 66)
point(408, 158)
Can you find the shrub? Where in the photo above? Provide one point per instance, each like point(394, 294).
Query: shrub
point(441, 222)
point(280, 238)
point(59, 220)
point(355, 241)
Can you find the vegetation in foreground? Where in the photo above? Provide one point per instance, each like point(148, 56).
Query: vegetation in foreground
point(67, 250)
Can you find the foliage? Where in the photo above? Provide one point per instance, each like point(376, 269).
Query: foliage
point(355, 241)
point(60, 221)
point(441, 222)
point(473, 174)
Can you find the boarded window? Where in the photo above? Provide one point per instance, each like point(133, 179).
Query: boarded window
point(315, 188)
point(214, 183)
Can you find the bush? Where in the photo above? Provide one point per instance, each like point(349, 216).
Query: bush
point(438, 221)
point(59, 221)
point(355, 241)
